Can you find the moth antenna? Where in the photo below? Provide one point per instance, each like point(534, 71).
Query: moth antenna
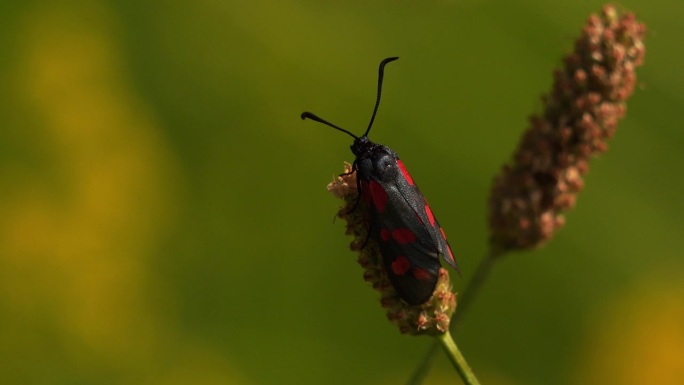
point(309, 115)
point(381, 73)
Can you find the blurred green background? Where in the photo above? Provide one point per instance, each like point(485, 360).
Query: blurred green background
point(164, 218)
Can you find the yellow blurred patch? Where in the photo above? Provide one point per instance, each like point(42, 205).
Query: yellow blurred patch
point(199, 364)
point(75, 240)
point(638, 338)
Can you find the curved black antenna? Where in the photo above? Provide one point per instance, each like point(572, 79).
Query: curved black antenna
point(381, 73)
point(309, 115)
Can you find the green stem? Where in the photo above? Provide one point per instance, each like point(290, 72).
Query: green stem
point(470, 292)
point(464, 301)
point(457, 359)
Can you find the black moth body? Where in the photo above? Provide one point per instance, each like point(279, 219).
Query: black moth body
point(403, 225)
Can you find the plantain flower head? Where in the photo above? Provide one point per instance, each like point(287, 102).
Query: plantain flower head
point(581, 113)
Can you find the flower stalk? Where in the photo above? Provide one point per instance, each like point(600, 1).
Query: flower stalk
point(457, 359)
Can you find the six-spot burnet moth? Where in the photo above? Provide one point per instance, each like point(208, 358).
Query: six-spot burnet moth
point(401, 221)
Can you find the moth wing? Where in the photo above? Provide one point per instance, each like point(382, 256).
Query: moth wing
point(413, 276)
point(409, 254)
point(418, 204)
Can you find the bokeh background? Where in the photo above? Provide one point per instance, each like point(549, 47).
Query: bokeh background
point(164, 218)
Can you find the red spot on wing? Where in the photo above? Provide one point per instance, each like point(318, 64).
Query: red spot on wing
point(421, 274)
point(379, 195)
point(407, 176)
point(365, 190)
point(385, 234)
point(401, 265)
point(450, 255)
point(403, 236)
point(431, 217)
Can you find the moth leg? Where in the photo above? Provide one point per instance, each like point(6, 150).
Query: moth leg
point(358, 188)
point(353, 170)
